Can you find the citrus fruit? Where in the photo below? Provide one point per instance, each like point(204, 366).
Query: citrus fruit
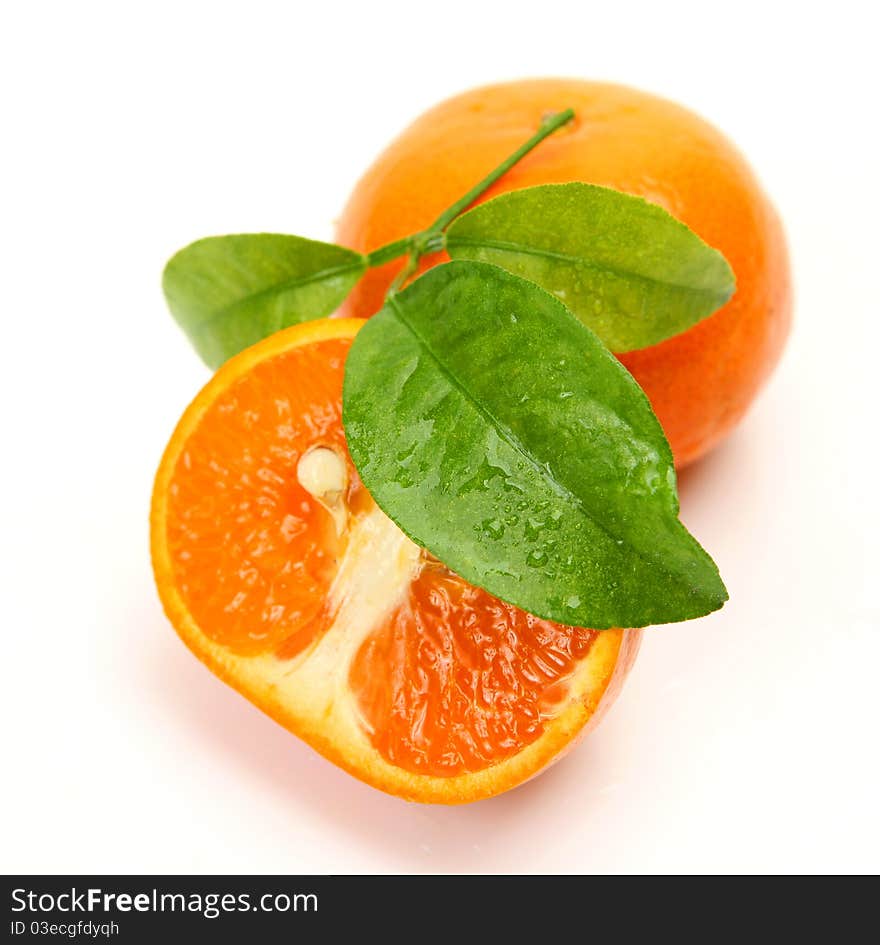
point(700, 382)
point(280, 573)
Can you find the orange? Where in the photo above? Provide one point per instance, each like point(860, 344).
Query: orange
point(700, 382)
point(281, 574)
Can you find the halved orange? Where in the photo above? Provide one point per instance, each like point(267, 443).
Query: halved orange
point(279, 572)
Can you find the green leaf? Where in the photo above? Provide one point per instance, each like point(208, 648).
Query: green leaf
point(625, 267)
point(228, 292)
point(500, 434)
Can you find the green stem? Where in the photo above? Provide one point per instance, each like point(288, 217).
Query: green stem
point(388, 252)
point(431, 239)
point(548, 126)
point(402, 277)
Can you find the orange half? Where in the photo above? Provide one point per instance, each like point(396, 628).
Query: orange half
point(282, 575)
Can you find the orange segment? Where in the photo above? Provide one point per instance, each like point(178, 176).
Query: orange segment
point(281, 574)
point(457, 680)
point(254, 554)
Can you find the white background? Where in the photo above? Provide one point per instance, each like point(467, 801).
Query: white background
point(743, 742)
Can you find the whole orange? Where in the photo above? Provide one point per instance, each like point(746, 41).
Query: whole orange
point(700, 382)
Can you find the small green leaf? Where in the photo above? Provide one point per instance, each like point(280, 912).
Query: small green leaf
point(625, 267)
point(228, 292)
point(500, 434)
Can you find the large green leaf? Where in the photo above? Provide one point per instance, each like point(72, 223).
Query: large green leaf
point(625, 267)
point(228, 292)
point(500, 434)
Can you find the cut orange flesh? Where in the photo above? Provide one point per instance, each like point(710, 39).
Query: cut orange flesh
point(282, 575)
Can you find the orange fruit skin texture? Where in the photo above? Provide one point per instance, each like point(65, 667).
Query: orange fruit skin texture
point(428, 688)
point(700, 382)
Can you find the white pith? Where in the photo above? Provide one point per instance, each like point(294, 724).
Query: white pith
point(377, 568)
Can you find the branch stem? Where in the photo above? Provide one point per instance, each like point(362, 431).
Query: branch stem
point(548, 126)
point(432, 239)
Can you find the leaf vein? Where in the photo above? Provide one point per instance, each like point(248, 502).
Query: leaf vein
point(277, 289)
point(523, 250)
